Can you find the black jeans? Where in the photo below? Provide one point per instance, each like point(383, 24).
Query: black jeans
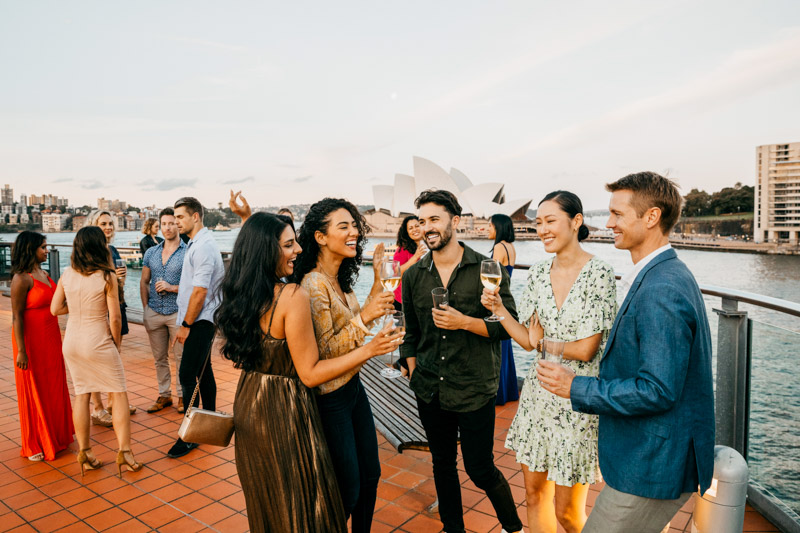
point(195, 352)
point(477, 440)
point(350, 433)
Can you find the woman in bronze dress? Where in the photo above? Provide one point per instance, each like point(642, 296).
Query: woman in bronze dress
point(281, 456)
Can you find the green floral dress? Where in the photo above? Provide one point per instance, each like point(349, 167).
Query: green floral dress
point(546, 433)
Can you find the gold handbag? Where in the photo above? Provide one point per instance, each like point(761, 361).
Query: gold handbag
point(202, 426)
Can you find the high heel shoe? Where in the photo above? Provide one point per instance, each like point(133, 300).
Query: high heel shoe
point(86, 463)
point(132, 466)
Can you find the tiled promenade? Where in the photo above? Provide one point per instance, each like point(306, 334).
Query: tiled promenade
point(201, 491)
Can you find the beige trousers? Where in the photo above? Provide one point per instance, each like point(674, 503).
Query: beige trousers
point(161, 330)
point(618, 512)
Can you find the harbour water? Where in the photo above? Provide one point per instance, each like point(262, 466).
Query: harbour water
point(774, 446)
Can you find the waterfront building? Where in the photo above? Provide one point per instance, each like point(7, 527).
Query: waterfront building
point(53, 222)
point(78, 221)
point(7, 195)
point(777, 193)
point(111, 205)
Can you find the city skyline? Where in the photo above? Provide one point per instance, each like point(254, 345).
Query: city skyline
point(291, 104)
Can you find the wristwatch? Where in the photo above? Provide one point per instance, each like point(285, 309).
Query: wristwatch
point(184, 324)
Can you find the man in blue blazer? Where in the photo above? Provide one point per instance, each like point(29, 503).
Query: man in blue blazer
point(655, 392)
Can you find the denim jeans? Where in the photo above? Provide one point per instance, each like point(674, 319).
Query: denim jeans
point(353, 444)
point(477, 441)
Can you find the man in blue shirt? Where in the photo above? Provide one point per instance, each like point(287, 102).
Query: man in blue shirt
point(197, 301)
point(161, 274)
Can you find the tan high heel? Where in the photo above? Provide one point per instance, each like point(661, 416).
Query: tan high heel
point(131, 466)
point(86, 463)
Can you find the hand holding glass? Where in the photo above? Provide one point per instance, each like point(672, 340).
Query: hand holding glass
point(491, 275)
point(398, 321)
point(120, 263)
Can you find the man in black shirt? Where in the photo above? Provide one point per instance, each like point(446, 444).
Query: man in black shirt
point(454, 361)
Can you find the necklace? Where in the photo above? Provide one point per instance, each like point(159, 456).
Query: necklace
point(332, 278)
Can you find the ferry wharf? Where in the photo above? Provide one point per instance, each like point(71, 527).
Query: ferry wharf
point(201, 491)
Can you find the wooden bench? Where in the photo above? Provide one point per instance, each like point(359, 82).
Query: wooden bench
point(394, 408)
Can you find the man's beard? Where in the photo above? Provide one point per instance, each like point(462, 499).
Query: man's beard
point(444, 238)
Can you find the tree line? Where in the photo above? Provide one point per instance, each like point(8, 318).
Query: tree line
point(737, 199)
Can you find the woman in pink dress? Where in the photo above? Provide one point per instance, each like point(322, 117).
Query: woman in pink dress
point(45, 416)
point(410, 249)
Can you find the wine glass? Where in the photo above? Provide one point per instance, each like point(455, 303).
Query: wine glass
point(491, 274)
point(390, 275)
point(398, 320)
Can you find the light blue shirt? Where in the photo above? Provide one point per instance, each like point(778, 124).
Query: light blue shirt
point(202, 267)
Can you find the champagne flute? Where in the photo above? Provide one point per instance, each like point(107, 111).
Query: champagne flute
point(398, 320)
point(390, 275)
point(491, 275)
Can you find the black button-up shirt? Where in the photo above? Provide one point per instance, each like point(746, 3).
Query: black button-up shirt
point(461, 367)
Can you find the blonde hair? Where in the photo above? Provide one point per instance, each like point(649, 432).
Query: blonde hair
point(95, 215)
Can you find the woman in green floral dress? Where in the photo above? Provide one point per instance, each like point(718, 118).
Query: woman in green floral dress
point(571, 297)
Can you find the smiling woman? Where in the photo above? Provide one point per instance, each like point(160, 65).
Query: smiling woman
point(333, 237)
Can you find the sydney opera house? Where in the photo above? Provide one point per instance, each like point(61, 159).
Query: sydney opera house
point(478, 202)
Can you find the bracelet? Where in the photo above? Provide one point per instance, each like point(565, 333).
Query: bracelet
point(184, 324)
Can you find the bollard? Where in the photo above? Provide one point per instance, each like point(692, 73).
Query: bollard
point(721, 508)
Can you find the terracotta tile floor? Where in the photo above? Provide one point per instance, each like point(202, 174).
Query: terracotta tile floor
point(201, 491)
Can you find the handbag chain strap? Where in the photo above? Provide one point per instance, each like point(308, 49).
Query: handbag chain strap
point(197, 387)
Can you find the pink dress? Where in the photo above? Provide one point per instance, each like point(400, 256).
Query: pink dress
point(401, 256)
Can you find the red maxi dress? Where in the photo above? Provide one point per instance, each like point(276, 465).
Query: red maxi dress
point(45, 412)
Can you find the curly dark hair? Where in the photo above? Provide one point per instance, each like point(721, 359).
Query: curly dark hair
point(318, 219)
point(404, 240)
point(248, 289)
point(90, 253)
point(23, 252)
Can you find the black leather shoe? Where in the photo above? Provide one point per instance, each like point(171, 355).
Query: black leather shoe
point(180, 448)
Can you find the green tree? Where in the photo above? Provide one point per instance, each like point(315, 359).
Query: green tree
point(696, 203)
point(736, 199)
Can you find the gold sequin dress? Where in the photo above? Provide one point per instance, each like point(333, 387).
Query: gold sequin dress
point(281, 455)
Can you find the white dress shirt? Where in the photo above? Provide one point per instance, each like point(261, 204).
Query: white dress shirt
point(627, 280)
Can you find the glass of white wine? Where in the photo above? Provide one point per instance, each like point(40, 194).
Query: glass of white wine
point(398, 320)
point(491, 274)
point(390, 275)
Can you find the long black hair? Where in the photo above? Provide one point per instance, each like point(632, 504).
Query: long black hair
point(404, 240)
point(248, 288)
point(318, 219)
point(503, 228)
point(23, 252)
point(571, 205)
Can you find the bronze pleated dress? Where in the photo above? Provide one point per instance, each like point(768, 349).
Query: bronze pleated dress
point(281, 455)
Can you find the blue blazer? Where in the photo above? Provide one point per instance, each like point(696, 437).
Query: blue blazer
point(655, 392)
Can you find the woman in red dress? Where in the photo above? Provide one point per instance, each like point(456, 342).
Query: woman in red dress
point(45, 413)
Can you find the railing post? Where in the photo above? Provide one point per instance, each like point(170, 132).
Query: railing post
point(732, 405)
point(55, 266)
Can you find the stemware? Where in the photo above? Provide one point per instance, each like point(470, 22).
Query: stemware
point(398, 320)
point(491, 274)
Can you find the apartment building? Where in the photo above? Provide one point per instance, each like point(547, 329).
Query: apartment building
point(777, 202)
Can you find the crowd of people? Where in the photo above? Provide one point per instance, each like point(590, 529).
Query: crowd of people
point(628, 398)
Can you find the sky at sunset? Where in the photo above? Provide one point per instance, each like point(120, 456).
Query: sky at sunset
point(292, 101)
